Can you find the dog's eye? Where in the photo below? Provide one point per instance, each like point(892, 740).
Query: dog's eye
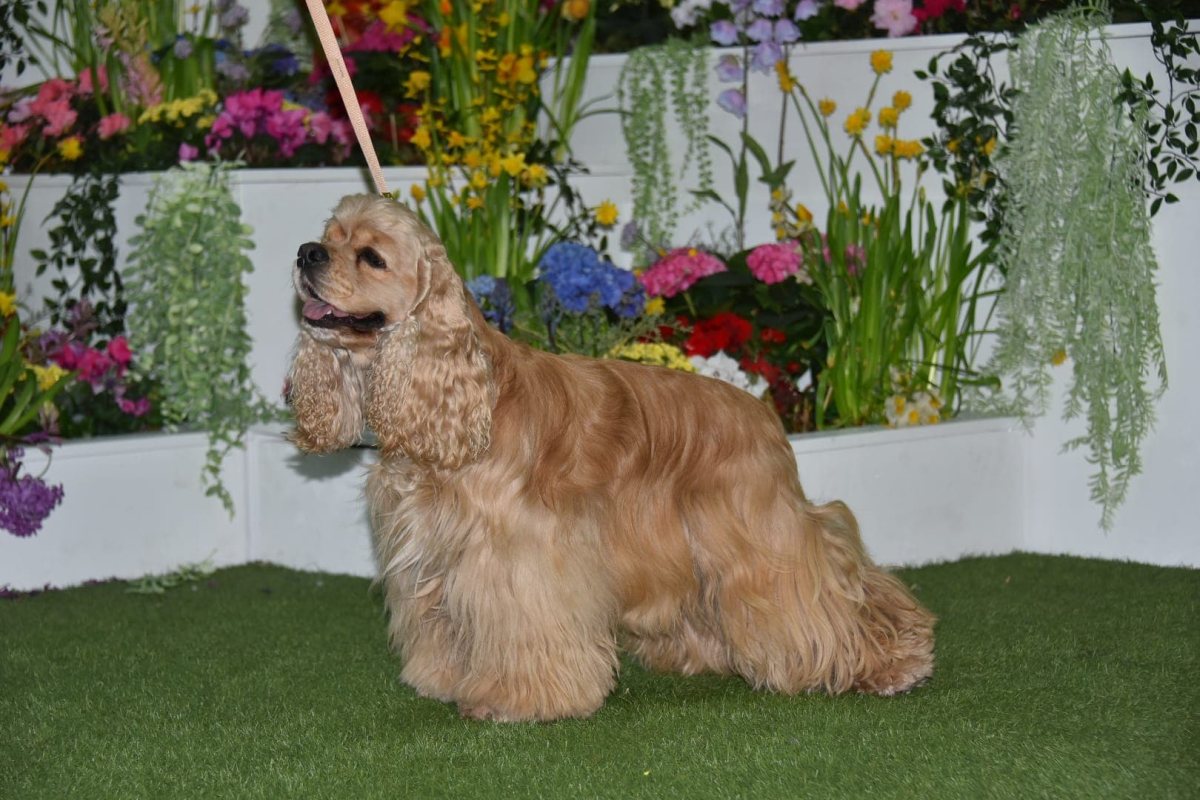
point(373, 259)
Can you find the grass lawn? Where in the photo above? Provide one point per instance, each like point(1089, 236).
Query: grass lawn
point(1056, 677)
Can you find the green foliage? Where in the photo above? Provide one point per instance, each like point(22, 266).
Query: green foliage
point(185, 284)
point(14, 16)
point(158, 584)
point(675, 74)
point(1171, 123)
point(83, 253)
point(1075, 246)
point(972, 110)
point(21, 398)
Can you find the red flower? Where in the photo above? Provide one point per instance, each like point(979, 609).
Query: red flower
point(760, 366)
point(723, 331)
point(772, 336)
point(932, 9)
point(118, 351)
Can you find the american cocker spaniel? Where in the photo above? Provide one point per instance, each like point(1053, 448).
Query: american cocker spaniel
point(534, 514)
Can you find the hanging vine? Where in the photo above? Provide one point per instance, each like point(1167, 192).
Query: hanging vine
point(675, 74)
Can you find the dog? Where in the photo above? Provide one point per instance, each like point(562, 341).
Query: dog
point(535, 514)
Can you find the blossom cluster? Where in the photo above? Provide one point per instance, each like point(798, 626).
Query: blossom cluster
point(25, 500)
point(678, 270)
point(102, 369)
point(495, 299)
point(581, 281)
point(265, 113)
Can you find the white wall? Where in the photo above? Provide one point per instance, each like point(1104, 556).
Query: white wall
point(1058, 517)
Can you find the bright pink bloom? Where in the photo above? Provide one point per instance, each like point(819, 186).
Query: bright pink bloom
point(134, 408)
point(93, 365)
point(894, 16)
point(932, 9)
point(678, 270)
point(59, 118)
point(187, 152)
point(771, 263)
point(11, 136)
point(113, 124)
point(118, 351)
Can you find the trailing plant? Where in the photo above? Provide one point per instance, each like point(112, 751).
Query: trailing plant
point(159, 584)
point(83, 255)
point(1171, 122)
point(187, 291)
point(1075, 245)
point(674, 74)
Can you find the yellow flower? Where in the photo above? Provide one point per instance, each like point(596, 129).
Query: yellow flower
point(421, 138)
point(4, 154)
point(606, 214)
point(394, 14)
point(803, 214)
point(952, 145)
point(418, 81)
point(901, 100)
point(8, 304)
point(654, 353)
point(826, 107)
point(474, 202)
point(888, 117)
point(575, 10)
point(71, 148)
point(990, 146)
point(514, 164)
point(490, 114)
point(478, 180)
point(786, 82)
point(908, 148)
point(883, 144)
point(472, 159)
point(535, 175)
point(526, 74)
point(857, 122)
point(654, 307)
point(444, 8)
point(1060, 356)
point(48, 376)
point(417, 191)
point(881, 61)
point(455, 139)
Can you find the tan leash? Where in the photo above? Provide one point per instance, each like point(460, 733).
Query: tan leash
point(337, 65)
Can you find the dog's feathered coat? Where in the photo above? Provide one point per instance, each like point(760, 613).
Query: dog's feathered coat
point(534, 513)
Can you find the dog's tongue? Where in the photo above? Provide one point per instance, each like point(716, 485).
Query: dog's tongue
point(315, 309)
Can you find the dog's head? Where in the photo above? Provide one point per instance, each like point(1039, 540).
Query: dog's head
point(388, 339)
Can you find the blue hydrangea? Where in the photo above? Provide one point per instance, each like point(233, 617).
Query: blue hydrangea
point(495, 299)
point(581, 280)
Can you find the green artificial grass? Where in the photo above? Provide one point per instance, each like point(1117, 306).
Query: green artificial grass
point(1057, 677)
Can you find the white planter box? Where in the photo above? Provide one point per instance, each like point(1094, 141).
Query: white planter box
point(133, 505)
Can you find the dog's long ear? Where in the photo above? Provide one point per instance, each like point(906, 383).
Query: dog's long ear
point(325, 392)
point(430, 390)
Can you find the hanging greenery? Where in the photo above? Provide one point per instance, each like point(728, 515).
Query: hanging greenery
point(83, 254)
point(186, 289)
point(674, 74)
point(1075, 245)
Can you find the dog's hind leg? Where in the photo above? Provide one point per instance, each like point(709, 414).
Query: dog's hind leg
point(806, 610)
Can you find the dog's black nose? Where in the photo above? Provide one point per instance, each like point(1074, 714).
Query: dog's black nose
point(311, 254)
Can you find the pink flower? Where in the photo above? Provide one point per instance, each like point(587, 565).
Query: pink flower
point(113, 124)
point(118, 351)
point(85, 80)
point(92, 366)
point(59, 118)
point(134, 408)
point(771, 263)
point(678, 270)
point(187, 152)
point(11, 136)
point(894, 16)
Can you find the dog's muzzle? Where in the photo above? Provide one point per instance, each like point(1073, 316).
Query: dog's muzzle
point(311, 255)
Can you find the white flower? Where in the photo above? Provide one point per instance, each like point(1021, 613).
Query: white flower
point(684, 15)
point(724, 367)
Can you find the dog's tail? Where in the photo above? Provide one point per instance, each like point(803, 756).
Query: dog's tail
point(833, 621)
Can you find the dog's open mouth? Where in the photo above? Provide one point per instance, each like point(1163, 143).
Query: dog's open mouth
point(320, 314)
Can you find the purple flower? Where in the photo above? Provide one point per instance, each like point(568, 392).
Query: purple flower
point(724, 32)
point(729, 69)
point(233, 17)
point(768, 8)
point(183, 48)
point(733, 101)
point(765, 56)
point(806, 9)
point(760, 30)
point(786, 31)
point(26, 501)
point(630, 235)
